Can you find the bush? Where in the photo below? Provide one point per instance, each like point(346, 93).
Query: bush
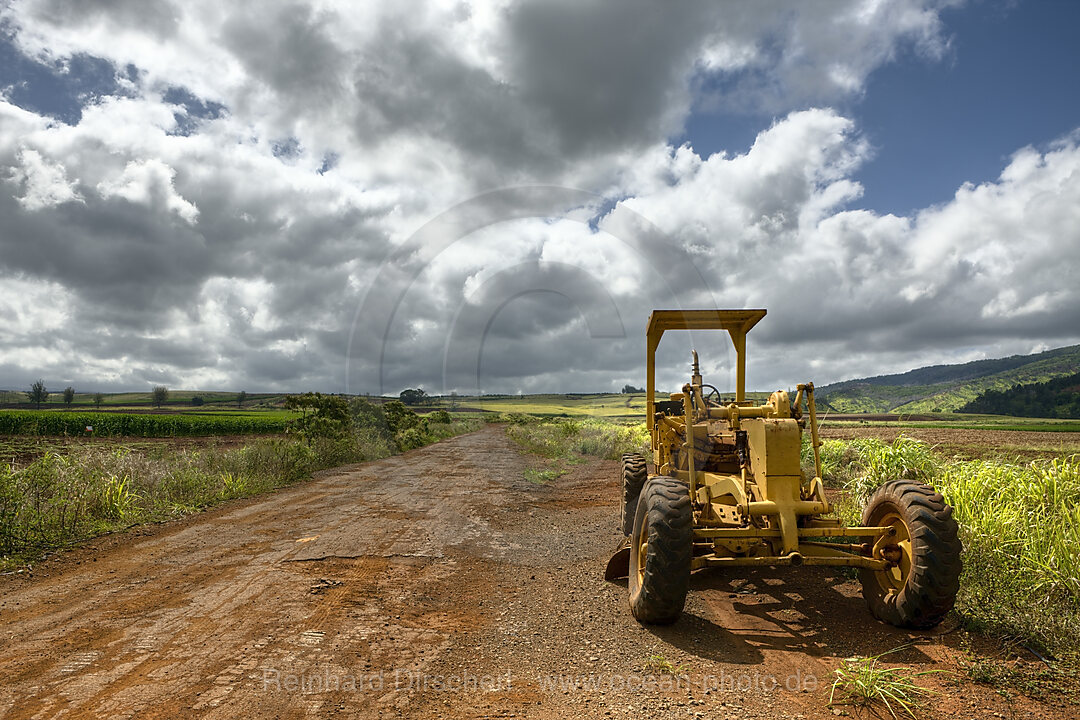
point(398, 417)
point(411, 438)
point(368, 415)
point(439, 416)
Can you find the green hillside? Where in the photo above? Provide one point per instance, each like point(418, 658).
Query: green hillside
point(946, 388)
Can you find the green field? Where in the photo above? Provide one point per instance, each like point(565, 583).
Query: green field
point(1019, 524)
point(609, 406)
point(178, 401)
point(131, 414)
point(955, 421)
point(74, 423)
point(602, 405)
point(631, 408)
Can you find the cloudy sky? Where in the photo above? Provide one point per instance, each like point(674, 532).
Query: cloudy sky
point(369, 196)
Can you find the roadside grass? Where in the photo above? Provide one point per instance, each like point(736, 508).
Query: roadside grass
point(562, 438)
point(60, 498)
point(564, 441)
point(864, 681)
point(1019, 523)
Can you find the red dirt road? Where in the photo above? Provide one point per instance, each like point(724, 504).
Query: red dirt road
point(439, 583)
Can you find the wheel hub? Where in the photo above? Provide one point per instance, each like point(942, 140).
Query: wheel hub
point(897, 553)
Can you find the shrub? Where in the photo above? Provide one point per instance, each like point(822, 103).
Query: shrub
point(398, 417)
point(411, 438)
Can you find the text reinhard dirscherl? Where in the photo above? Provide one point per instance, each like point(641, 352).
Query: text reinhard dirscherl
point(274, 680)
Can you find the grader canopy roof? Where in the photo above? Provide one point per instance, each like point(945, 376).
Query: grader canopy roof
point(661, 321)
point(736, 322)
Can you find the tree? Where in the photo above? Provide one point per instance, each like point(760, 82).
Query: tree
point(241, 398)
point(98, 399)
point(630, 389)
point(413, 397)
point(160, 395)
point(399, 417)
point(453, 400)
point(69, 395)
point(320, 415)
point(38, 393)
point(197, 400)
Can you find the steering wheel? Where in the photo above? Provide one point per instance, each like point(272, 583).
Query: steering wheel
point(712, 391)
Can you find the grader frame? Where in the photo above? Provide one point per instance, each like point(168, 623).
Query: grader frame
point(728, 490)
point(753, 495)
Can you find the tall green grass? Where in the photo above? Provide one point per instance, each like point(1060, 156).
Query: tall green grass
point(1020, 525)
point(61, 498)
point(564, 437)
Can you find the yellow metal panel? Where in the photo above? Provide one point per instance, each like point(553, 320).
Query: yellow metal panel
point(660, 321)
point(775, 445)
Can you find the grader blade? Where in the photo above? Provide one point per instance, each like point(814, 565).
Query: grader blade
point(619, 564)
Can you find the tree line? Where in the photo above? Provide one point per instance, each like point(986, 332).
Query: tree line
point(1057, 398)
point(39, 394)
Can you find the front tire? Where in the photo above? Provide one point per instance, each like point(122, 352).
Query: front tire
point(633, 479)
point(661, 548)
point(921, 588)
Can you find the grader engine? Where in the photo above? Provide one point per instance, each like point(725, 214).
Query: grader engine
point(727, 490)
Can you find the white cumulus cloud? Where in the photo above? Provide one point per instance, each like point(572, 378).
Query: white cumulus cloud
point(257, 172)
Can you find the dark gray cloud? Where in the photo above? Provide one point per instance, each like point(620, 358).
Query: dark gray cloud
point(606, 77)
point(289, 49)
point(161, 18)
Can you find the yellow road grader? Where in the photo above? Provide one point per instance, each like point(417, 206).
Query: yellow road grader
point(727, 490)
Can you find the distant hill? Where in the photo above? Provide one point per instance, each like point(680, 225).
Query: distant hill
point(946, 388)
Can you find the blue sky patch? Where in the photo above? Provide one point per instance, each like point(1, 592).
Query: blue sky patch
point(58, 91)
point(1007, 81)
point(195, 110)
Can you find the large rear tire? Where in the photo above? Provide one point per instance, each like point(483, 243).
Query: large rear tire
point(661, 548)
point(921, 588)
point(633, 479)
